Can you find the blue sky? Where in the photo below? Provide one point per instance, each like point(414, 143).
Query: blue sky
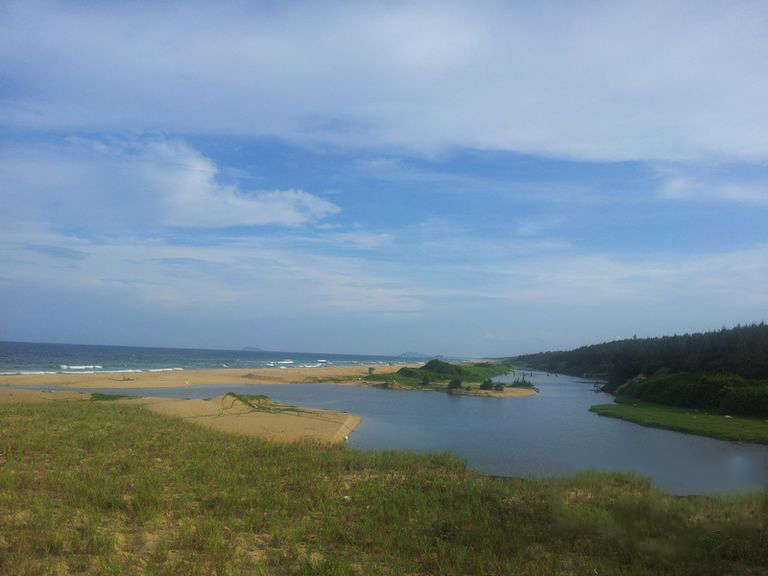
point(485, 178)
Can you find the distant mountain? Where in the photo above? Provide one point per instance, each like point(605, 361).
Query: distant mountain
point(251, 349)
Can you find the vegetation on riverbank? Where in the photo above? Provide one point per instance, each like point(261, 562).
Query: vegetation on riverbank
point(688, 420)
point(719, 392)
point(100, 488)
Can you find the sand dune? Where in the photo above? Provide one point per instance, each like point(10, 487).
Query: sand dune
point(263, 419)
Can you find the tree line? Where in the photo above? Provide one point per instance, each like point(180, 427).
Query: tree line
point(742, 350)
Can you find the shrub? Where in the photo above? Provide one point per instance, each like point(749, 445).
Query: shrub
point(410, 372)
point(441, 367)
point(746, 401)
point(487, 384)
point(684, 390)
point(454, 384)
point(521, 383)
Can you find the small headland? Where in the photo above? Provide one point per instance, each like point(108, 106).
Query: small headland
point(463, 378)
point(709, 383)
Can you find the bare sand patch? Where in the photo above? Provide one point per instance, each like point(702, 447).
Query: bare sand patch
point(264, 419)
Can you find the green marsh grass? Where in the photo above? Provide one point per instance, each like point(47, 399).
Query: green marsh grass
point(689, 420)
point(100, 488)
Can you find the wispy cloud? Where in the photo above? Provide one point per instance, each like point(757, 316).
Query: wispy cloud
point(680, 186)
point(228, 274)
point(57, 251)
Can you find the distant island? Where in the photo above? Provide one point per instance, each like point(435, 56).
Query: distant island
point(251, 349)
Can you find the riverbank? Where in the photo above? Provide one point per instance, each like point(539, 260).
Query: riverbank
point(243, 415)
point(689, 421)
point(104, 487)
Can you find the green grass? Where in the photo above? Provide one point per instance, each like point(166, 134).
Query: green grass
point(100, 488)
point(689, 420)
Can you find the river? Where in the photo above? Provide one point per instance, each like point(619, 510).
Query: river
point(551, 433)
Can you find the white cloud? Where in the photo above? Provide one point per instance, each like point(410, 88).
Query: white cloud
point(139, 184)
point(683, 187)
point(659, 80)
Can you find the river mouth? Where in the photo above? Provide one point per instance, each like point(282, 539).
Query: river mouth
point(552, 433)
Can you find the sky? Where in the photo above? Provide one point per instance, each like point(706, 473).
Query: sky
point(462, 178)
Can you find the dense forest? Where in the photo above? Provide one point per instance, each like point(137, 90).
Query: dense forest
point(742, 351)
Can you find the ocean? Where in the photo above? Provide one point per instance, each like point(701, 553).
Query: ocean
point(39, 358)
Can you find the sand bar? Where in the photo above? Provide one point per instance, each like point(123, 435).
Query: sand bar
point(226, 413)
point(229, 414)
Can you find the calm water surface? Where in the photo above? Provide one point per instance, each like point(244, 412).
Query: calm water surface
point(551, 433)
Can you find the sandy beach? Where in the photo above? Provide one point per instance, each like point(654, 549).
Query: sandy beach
point(344, 375)
point(179, 378)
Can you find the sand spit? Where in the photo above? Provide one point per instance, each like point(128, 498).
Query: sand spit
point(179, 378)
point(263, 419)
point(236, 415)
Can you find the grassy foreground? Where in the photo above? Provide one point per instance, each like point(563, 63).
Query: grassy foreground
point(99, 488)
point(692, 421)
